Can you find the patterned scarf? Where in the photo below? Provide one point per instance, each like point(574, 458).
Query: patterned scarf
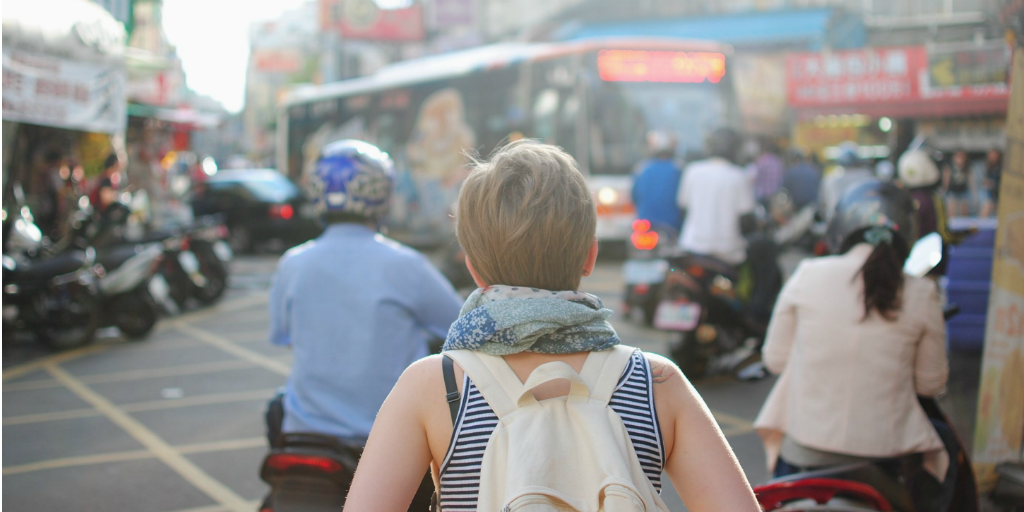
point(501, 320)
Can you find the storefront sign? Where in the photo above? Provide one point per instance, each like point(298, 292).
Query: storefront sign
point(760, 83)
point(899, 81)
point(56, 92)
point(999, 428)
point(972, 65)
point(366, 20)
point(448, 14)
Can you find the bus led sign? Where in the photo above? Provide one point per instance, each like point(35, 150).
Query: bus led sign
point(660, 66)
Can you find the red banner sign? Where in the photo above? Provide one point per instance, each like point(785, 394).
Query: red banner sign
point(887, 81)
point(365, 20)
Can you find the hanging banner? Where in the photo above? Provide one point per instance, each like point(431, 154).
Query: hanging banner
point(56, 92)
point(999, 428)
point(905, 81)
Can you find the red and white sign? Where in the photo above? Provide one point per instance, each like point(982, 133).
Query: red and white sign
point(49, 91)
point(366, 20)
point(882, 81)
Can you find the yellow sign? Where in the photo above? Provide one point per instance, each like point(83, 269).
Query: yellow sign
point(999, 429)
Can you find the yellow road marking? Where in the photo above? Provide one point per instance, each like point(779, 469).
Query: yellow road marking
point(233, 348)
point(221, 308)
point(152, 373)
point(216, 508)
point(217, 446)
point(213, 398)
point(51, 416)
point(732, 425)
point(78, 461)
point(224, 446)
point(156, 445)
point(149, 405)
point(63, 357)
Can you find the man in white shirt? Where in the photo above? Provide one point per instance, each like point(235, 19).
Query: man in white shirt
point(718, 199)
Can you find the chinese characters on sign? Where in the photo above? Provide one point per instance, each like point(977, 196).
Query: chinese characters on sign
point(860, 76)
point(55, 92)
point(903, 75)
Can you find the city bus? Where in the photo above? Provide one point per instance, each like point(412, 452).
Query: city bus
point(597, 99)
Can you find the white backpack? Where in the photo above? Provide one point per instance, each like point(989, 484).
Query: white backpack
point(562, 454)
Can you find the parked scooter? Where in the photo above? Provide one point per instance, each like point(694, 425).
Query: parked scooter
point(195, 262)
point(863, 487)
point(132, 290)
point(56, 298)
point(645, 267)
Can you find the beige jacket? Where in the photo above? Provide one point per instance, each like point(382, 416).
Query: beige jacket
point(849, 384)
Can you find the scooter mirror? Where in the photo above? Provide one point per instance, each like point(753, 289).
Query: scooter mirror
point(924, 256)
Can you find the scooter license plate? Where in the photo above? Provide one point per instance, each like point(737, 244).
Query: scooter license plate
point(644, 271)
point(189, 262)
point(677, 315)
point(223, 251)
point(159, 289)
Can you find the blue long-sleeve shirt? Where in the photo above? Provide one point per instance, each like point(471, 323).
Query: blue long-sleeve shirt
point(357, 309)
point(654, 193)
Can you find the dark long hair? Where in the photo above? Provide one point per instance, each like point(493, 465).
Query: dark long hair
point(882, 274)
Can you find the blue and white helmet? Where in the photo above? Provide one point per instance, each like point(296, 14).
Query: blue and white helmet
point(352, 176)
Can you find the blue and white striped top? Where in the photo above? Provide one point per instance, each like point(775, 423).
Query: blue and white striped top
point(633, 400)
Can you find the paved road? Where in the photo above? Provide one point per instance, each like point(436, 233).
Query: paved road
point(174, 423)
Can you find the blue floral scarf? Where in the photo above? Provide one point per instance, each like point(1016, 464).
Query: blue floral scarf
point(501, 320)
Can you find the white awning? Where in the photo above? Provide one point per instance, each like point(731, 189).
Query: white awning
point(78, 30)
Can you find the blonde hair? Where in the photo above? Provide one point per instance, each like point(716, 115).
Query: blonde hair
point(526, 217)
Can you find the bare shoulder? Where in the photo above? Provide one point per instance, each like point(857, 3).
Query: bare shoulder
point(663, 370)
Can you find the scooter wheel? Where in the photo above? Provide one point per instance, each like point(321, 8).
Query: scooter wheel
point(134, 316)
point(74, 323)
point(687, 355)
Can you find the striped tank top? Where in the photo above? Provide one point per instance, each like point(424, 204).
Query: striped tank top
point(633, 400)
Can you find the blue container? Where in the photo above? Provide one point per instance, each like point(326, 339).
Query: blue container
point(966, 333)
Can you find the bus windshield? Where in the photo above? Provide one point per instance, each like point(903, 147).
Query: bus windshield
point(623, 112)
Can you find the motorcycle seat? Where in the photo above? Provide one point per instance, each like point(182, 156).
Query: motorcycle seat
point(45, 269)
point(708, 263)
point(113, 257)
point(866, 473)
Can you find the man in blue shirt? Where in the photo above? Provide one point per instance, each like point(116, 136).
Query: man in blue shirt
point(656, 184)
point(355, 307)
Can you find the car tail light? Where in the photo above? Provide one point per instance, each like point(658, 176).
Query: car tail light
point(641, 289)
point(185, 243)
point(285, 461)
point(222, 231)
point(821, 490)
point(282, 211)
point(643, 238)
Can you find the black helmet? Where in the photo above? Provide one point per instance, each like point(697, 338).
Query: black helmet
point(725, 143)
point(869, 204)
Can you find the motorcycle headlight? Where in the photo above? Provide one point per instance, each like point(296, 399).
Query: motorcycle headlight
point(607, 195)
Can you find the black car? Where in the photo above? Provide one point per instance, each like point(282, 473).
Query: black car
point(259, 206)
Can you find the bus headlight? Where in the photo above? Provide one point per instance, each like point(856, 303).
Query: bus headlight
point(607, 195)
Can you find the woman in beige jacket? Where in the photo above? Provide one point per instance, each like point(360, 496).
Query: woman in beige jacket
point(855, 341)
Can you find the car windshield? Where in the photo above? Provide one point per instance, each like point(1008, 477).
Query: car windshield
point(271, 189)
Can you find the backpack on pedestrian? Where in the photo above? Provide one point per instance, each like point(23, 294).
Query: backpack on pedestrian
point(562, 454)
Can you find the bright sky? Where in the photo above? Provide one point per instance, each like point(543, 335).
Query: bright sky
point(212, 37)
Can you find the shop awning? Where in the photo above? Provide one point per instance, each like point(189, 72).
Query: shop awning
point(194, 119)
point(811, 27)
point(79, 30)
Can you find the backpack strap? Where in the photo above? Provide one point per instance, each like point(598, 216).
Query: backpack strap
point(451, 388)
point(603, 369)
point(496, 381)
